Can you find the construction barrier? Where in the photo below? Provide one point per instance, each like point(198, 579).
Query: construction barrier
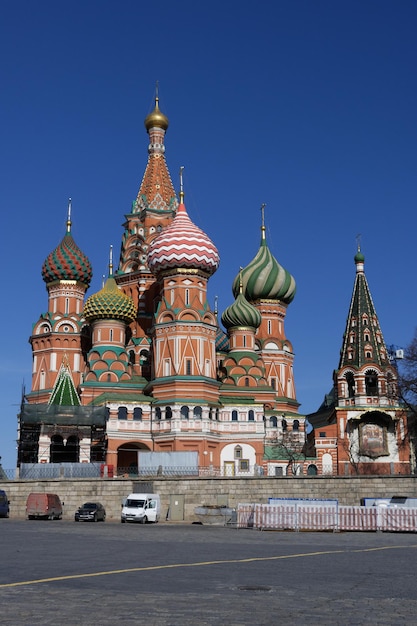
point(304, 516)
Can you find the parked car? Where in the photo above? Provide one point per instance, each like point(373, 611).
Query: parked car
point(90, 512)
point(4, 504)
point(43, 506)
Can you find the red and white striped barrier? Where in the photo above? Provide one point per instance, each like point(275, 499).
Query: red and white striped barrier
point(304, 516)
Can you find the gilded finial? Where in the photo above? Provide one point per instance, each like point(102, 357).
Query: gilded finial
point(240, 280)
point(156, 118)
point(69, 216)
point(181, 185)
point(216, 303)
point(263, 220)
point(111, 261)
point(358, 241)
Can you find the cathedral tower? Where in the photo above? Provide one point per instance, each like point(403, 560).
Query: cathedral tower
point(362, 417)
point(57, 334)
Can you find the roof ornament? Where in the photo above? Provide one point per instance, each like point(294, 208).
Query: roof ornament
point(111, 261)
point(263, 221)
point(181, 185)
point(69, 216)
point(358, 241)
point(240, 277)
point(216, 305)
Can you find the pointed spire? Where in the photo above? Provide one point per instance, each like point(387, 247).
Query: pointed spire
point(69, 216)
point(111, 261)
point(263, 235)
point(181, 185)
point(64, 392)
point(363, 342)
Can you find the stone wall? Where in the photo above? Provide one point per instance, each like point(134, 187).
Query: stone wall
point(207, 491)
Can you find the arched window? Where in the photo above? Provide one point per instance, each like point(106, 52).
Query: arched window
point(72, 450)
point(350, 381)
point(132, 357)
point(137, 413)
point(185, 411)
point(122, 413)
point(158, 413)
point(144, 357)
point(273, 421)
point(371, 383)
point(238, 452)
point(296, 425)
point(234, 415)
point(217, 415)
point(198, 412)
point(57, 449)
point(312, 470)
point(251, 415)
point(284, 425)
point(168, 413)
point(246, 381)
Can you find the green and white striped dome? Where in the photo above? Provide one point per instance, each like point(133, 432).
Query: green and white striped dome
point(265, 279)
point(241, 313)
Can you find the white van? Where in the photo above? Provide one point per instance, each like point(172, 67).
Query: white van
point(141, 507)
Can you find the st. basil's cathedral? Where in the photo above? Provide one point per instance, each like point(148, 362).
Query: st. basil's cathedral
point(144, 365)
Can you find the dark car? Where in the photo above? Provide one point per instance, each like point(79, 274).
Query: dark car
point(90, 512)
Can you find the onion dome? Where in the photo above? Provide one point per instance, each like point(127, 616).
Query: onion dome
point(359, 258)
point(241, 313)
point(110, 303)
point(67, 262)
point(264, 278)
point(156, 119)
point(182, 245)
point(222, 341)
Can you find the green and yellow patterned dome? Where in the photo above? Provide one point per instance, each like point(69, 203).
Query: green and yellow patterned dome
point(110, 303)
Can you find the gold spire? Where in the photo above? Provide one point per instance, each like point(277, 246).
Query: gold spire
point(181, 185)
point(156, 118)
point(263, 221)
point(111, 261)
point(69, 216)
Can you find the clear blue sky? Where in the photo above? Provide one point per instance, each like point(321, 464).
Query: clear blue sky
point(306, 105)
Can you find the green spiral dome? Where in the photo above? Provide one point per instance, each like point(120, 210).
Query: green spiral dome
point(265, 279)
point(110, 303)
point(241, 313)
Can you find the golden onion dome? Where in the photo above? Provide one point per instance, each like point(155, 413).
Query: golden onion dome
point(156, 118)
point(110, 303)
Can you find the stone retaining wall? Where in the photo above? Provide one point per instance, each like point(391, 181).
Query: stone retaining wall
point(207, 491)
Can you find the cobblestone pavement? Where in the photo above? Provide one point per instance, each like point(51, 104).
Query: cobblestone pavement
point(64, 573)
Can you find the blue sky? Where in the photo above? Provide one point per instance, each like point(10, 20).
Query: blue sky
point(308, 106)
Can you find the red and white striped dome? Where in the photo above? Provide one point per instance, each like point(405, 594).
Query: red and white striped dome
point(182, 245)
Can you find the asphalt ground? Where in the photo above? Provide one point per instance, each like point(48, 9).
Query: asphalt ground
point(66, 573)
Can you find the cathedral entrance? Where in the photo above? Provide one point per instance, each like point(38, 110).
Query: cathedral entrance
point(127, 458)
point(64, 451)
